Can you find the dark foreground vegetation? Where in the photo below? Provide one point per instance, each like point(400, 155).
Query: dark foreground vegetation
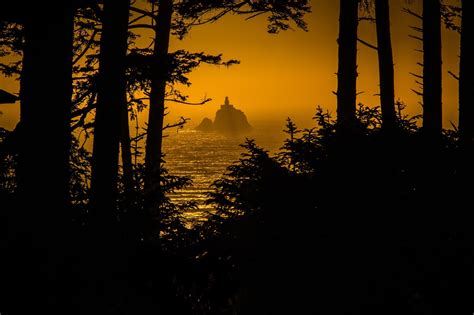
point(366, 214)
point(375, 223)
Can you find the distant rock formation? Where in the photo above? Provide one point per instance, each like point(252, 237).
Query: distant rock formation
point(206, 125)
point(228, 120)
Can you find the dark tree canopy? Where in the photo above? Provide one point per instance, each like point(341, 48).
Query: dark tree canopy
point(342, 219)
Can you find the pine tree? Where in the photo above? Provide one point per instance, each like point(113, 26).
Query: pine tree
point(347, 64)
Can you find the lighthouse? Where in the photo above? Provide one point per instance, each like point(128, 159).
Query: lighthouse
point(229, 120)
point(227, 103)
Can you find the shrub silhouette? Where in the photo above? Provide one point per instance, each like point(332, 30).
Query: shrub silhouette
point(355, 222)
point(329, 224)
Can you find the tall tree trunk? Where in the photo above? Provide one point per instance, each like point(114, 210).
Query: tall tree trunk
point(108, 120)
point(157, 102)
point(126, 153)
point(46, 91)
point(466, 71)
point(347, 63)
point(106, 255)
point(432, 85)
point(44, 147)
point(386, 73)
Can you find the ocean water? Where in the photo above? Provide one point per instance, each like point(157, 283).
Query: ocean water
point(204, 157)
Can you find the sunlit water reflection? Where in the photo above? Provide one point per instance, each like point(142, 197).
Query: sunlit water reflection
point(204, 157)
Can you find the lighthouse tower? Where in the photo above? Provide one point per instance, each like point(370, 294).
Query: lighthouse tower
point(227, 104)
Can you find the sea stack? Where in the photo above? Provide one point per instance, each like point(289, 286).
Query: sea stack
point(228, 120)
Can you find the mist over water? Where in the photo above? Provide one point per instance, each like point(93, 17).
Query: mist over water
point(204, 157)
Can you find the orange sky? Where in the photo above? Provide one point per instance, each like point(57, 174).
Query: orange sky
point(289, 74)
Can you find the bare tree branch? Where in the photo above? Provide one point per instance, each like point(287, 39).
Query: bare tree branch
point(254, 15)
point(180, 123)
point(416, 37)
point(144, 12)
point(84, 51)
point(368, 19)
point(412, 13)
point(416, 75)
point(189, 103)
point(141, 26)
point(138, 18)
point(81, 97)
point(417, 29)
point(453, 75)
point(367, 44)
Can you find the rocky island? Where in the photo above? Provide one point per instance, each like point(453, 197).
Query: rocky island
point(228, 120)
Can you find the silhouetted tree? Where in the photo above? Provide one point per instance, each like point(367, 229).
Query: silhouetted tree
point(42, 144)
point(347, 63)
point(111, 88)
point(105, 264)
point(157, 98)
point(10, 11)
point(385, 56)
point(11, 45)
point(280, 14)
point(190, 14)
point(88, 27)
point(432, 77)
point(125, 148)
point(47, 50)
point(466, 69)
